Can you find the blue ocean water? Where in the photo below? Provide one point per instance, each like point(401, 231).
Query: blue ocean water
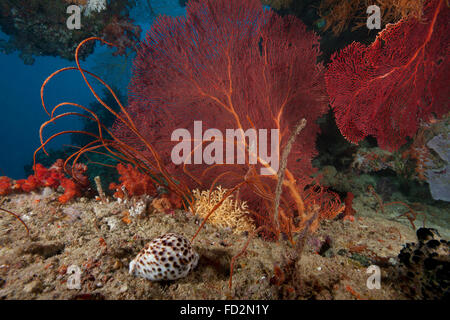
point(22, 113)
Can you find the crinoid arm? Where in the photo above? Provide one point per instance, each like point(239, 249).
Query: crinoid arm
point(113, 147)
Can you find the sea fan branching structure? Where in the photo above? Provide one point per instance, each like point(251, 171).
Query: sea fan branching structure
point(387, 89)
point(231, 65)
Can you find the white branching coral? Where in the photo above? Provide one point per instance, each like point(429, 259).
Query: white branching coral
point(94, 6)
point(231, 214)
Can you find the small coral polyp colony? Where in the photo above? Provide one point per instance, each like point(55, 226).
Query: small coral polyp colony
point(53, 177)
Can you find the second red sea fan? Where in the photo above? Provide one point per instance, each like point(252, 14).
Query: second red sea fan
point(386, 89)
point(232, 65)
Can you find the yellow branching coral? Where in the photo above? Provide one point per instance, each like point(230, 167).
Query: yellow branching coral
point(231, 213)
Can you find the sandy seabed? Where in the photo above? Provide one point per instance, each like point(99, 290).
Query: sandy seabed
point(94, 237)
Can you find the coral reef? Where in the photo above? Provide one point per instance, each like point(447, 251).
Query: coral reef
point(94, 6)
point(108, 245)
point(372, 160)
point(232, 213)
point(139, 188)
point(233, 74)
point(388, 88)
point(162, 205)
point(5, 186)
point(237, 64)
point(132, 183)
point(52, 177)
point(426, 158)
point(438, 177)
point(38, 28)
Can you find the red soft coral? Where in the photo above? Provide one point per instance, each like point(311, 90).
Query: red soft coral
point(135, 182)
point(53, 178)
point(78, 172)
point(48, 177)
point(71, 190)
point(5, 186)
point(27, 185)
point(386, 89)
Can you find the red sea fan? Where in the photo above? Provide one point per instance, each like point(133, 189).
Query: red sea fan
point(230, 64)
point(234, 66)
point(386, 89)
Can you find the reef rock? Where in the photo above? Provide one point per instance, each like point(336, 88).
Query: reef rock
point(425, 266)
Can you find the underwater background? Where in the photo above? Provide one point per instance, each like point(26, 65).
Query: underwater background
point(365, 149)
point(20, 89)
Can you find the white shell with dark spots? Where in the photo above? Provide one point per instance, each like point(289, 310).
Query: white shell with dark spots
point(168, 257)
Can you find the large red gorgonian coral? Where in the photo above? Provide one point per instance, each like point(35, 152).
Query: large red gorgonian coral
point(230, 64)
point(386, 89)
